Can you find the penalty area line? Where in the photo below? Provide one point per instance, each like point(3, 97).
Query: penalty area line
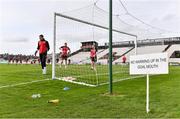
point(25, 83)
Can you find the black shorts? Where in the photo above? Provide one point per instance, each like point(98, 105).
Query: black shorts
point(43, 59)
point(64, 57)
point(93, 59)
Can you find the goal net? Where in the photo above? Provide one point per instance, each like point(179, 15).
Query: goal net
point(83, 31)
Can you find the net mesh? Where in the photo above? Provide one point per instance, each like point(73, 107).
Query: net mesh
point(73, 33)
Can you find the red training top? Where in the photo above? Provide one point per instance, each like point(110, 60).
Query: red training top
point(43, 46)
point(93, 53)
point(65, 50)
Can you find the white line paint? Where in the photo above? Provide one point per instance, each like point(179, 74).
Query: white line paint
point(75, 82)
point(91, 85)
point(118, 80)
point(19, 84)
point(61, 79)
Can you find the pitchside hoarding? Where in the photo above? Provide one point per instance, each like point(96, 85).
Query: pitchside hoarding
point(149, 64)
point(2, 61)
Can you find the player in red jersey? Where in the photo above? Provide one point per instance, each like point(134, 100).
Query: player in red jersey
point(93, 57)
point(124, 59)
point(65, 51)
point(43, 48)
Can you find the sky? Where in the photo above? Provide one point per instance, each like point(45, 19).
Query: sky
point(21, 21)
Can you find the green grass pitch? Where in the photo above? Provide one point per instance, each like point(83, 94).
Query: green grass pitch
point(82, 101)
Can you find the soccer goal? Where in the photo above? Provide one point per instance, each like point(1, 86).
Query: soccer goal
point(76, 34)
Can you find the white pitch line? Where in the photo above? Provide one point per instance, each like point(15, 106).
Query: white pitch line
point(75, 82)
point(13, 85)
point(119, 80)
point(18, 84)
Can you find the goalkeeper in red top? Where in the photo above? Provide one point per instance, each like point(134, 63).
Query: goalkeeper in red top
point(65, 51)
point(43, 48)
point(93, 57)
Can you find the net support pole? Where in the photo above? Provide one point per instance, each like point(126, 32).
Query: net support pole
point(110, 48)
point(147, 93)
point(135, 45)
point(54, 48)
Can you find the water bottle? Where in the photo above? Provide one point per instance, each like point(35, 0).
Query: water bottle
point(66, 88)
point(36, 96)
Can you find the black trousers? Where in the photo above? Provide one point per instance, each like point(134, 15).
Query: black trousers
point(43, 59)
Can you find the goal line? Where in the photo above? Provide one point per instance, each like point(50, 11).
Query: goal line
point(91, 85)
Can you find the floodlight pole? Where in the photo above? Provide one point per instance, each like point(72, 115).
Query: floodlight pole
point(54, 48)
point(110, 47)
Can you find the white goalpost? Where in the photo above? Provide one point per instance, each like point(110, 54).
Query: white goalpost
point(54, 48)
point(69, 29)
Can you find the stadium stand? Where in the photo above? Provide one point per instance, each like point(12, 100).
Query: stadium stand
point(19, 58)
point(174, 53)
point(151, 49)
point(121, 51)
point(172, 49)
point(82, 56)
point(102, 52)
point(128, 53)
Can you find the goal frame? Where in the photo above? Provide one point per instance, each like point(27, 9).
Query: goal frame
point(85, 22)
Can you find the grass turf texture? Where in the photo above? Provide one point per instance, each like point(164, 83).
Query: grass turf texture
point(81, 101)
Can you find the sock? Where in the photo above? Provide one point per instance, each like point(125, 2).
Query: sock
point(44, 72)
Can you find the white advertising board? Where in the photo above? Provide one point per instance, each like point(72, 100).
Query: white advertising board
point(149, 64)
